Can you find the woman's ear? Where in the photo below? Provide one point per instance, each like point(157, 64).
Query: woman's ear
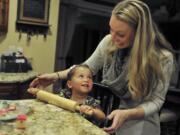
point(69, 84)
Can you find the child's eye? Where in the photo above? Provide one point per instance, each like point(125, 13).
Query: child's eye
point(90, 77)
point(81, 76)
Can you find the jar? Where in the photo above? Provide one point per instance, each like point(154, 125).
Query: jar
point(21, 121)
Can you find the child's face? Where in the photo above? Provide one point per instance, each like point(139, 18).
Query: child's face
point(81, 81)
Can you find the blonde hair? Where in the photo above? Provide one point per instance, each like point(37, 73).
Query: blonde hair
point(144, 62)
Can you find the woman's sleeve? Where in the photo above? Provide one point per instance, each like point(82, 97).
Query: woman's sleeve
point(158, 95)
point(96, 60)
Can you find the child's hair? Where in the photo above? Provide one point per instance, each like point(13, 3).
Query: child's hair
point(74, 68)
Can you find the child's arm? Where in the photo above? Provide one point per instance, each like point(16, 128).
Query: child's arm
point(99, 114)
point(95, 112)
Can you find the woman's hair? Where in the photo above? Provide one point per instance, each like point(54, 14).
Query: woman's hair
point(74, 68)
point(145, 68)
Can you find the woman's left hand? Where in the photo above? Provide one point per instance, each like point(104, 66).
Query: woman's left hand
point(118, 117)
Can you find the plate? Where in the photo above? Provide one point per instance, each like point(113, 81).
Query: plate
point(6, 114)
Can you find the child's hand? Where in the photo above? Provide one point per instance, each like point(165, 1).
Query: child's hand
point(33, 90)
point(86, 110)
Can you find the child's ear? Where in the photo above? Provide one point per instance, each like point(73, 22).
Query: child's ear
point(69, 84)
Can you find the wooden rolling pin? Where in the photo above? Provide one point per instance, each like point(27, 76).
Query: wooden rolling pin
point(55, 99)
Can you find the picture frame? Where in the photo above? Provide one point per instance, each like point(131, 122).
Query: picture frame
point(4, 13)
point(35, 12)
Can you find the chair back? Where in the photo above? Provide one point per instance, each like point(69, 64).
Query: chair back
point(109, 101)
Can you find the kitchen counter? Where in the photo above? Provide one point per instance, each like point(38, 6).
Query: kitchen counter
point(17, 77)
point(46, 119)
point(14, 85)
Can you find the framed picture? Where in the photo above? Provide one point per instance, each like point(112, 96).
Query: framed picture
point(4, 11)
point(33, 11)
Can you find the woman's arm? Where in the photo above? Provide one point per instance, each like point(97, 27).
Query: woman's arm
point(157, 98)
point(44, 80)
point(96, 60)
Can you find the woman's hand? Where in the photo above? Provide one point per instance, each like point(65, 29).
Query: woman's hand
point(118, 117)
point(44, 80)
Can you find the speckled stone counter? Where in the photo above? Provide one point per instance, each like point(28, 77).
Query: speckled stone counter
point(17, 77)
point(45, 119)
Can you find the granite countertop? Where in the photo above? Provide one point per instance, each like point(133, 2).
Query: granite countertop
point(17, 77)
point(46, 119)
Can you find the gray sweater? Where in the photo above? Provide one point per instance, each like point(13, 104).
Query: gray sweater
point(152, 104)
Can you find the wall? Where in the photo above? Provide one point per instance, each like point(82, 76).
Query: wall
point(41, 51)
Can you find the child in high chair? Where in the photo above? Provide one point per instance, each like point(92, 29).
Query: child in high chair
point(80, 83)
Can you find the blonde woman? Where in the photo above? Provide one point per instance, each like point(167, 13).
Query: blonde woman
point(137, 63)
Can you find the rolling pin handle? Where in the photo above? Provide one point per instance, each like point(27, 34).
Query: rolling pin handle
point(77, 108)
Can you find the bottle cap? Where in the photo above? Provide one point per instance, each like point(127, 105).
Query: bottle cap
point(21, 117)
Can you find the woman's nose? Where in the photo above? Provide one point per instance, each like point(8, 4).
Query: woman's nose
point(113, 35)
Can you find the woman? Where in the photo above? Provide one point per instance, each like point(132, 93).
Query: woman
point(137, 62)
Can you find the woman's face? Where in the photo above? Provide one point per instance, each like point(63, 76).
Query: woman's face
point(122, 33)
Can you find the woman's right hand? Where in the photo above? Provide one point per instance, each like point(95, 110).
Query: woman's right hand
point(118, 117)
point(44, 80)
